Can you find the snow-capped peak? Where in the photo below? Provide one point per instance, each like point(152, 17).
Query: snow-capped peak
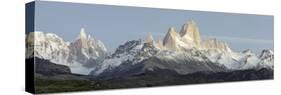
point(82, 39)
point(266, 53)
point(213, 43)
point(85, 52)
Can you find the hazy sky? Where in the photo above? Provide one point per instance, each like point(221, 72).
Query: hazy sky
point(114, 25)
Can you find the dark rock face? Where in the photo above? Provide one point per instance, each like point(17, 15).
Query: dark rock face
point(45, 67)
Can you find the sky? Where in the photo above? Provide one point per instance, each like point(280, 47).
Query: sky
point(114, 25)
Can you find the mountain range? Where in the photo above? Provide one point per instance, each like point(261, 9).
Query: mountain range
point(182, 52)
point(81, 55)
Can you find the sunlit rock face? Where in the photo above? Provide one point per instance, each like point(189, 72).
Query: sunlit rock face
point(188, 38)
point(215, 44)
point(85, 49)
point(190, 33)
point(149, 39)
point(159, 44)
point(84, 52)
point(171, 40)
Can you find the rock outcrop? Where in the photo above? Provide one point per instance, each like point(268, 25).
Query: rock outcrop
point(171, 39)
point(190, 33)
point(215, 44)
point(188, 38)
point(87, 50)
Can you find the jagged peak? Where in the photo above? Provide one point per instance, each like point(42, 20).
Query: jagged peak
point(82, 33)
point(159, 44)
point(213, 43)
point(172, 35)
point(188, 27)
point(190, 34)
point(183, 29)
point(172, 29)
point(53, 47)
point(170, 40)
point(268, 51)
point(172, 32)
point(149, 38)
point(42, 36)
point(191, 22)
point(266, 54)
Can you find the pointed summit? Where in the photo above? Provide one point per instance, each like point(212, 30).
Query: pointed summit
point(172, 32)
point(159, 44)
point(149, 38)
point(82, 38)
point(170, 40)
point(188, 27)
point(213, 43)
point(190, 33)
point(82, 33)
point(266, 53)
